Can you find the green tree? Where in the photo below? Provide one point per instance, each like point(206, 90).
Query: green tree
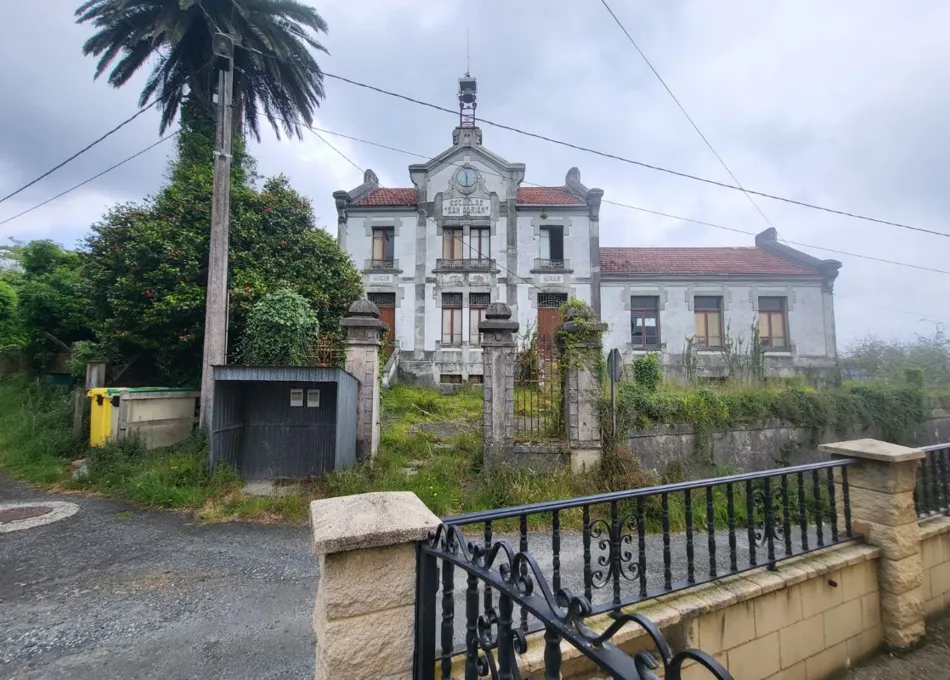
point(10, 336)
point(281, 331)
point(147, 263)
point(275, 72)
point(51, 310)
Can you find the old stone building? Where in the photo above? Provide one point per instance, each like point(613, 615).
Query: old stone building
point(469, 231)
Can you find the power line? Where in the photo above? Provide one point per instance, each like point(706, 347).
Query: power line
point(80, 152)
point(630, 161)
point(342, 155)
point(655, 212)
point(683, 109)
point(85, 182)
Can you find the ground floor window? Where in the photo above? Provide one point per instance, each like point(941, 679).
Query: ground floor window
point(451, 319)
point(708, 321)
point(477, 304)
point(773, 322)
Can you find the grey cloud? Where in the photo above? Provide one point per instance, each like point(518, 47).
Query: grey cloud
point(841, 104)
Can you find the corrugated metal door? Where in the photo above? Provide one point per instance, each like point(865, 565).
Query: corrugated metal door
point(290, 430)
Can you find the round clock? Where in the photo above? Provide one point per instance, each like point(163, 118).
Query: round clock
point(467, 177)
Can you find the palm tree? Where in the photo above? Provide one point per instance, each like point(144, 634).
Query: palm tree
point(274, 71)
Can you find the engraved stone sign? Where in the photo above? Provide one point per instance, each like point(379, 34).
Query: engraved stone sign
point(466, 207)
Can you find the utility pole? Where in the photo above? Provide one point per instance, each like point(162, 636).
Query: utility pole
point(216, 305)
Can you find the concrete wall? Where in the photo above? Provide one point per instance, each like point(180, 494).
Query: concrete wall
point(811, 330)
point(158, 418)
point(761, 446)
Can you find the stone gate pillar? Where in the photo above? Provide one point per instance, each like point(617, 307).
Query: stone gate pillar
point(363, 330)
point(364, 616)
point(881, 488)
point(581, 348)
point(498, 356)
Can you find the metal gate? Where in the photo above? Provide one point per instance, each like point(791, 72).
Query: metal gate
point(539, 393)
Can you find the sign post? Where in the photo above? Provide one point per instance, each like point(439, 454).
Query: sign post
point(615, 370)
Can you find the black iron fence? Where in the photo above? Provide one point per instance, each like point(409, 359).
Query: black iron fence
point(932, 492)
point(493, 639)
point(539, 392)
point(620, 548)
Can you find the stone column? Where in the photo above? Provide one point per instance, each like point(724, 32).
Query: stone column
point(881, 488)
point(364, 615)
point(498, 356)
point(581, 356)
point(363, 340)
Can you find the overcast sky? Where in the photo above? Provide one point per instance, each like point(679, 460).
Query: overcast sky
point(843, 104)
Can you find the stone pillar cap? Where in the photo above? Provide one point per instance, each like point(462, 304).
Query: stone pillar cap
point(872, 449)
point(369, 520)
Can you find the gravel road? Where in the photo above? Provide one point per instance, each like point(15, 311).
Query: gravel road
point(116, 592)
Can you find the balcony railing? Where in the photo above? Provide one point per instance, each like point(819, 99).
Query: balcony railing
point(551, 264)
point(465, 265)
point(382, 264)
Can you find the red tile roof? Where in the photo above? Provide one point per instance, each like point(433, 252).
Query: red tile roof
point(696, 261)
point(389, 197)
point(547, 196)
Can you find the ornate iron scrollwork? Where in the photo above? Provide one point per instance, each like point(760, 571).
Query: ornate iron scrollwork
point(517, 578)
point(616, 552)
point(768, 517)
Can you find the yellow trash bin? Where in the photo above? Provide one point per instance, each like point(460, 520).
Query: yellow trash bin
point(101, 415)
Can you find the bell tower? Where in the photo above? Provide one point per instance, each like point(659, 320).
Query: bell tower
point(468, 91)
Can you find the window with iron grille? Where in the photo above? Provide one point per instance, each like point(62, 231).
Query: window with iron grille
point(707, 314)
point(382, 299)
point(773, 322)
point(477, 304)
point(551, 300)
point(644, 321)
point(451, 319)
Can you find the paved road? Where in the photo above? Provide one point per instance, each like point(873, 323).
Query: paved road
point(115, 592)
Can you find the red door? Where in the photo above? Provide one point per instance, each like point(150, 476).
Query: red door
point(549, 320)
point(387, 314)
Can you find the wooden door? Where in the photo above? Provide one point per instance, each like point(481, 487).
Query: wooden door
point(387, 314)
point(549, 319)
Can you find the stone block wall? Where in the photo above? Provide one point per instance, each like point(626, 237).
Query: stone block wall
point(935, 557)
point(816, 616)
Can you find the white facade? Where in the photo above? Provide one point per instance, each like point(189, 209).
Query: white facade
point(468, 231)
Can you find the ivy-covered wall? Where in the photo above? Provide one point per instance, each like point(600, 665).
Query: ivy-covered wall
point(756, 428)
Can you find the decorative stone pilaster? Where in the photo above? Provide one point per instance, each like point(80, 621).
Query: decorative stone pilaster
point(498, 356)
point(580, 341)
point(363, 339)
point(364, 615)
point(881, 489)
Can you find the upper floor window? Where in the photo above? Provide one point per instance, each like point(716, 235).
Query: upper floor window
point(383, 238)
point(480, 244)
point(552, 246)
point(645, 321)
point(451, 319)
point(452, 248)
point(707, 311)
point(773, 322)
point(477, 304)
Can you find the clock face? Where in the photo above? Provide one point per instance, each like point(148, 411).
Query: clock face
point(467, 177)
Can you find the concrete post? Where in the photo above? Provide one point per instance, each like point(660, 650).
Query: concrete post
point(364, 615)
point(881, 488)
point(498, 355)
point(581, 356)
point(363, 331)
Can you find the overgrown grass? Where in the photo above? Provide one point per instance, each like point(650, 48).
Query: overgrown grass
point(430, 445)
